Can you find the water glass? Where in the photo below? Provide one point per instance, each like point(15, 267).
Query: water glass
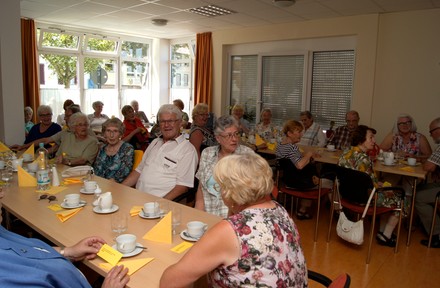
point(119, 223)
point(6, 175)
point(177, 217)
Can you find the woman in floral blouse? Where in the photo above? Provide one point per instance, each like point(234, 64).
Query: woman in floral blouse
point(115, 159)
point(357, 158)
point(258, 246)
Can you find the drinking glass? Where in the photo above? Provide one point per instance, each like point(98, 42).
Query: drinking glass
point(119, 223)
point(164, 208)
point(177, 216)
point(6, 175)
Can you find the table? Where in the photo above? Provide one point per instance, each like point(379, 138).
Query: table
point(22, 202)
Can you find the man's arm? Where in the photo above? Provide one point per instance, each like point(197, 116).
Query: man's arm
point(132, 179)
point(176, 191)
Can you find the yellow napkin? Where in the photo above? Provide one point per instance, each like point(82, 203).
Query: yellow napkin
point(407, 169)
point(3, 147)
point(30, 150)
point(53, 190)
point(258, 140)
point(67, 214)
point(109, 254)
point(162, 231)
point(25, 179)
point(132, 265)
point(72, 180)
point(134, 211)
point(182, 247)
point(271, 146)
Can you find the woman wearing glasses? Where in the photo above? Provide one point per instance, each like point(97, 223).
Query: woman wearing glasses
point(115, 159)
point(227, 135)
point(405, 140)
point(45, 128)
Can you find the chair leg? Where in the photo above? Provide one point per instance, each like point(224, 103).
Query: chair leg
point(399, 225)
point(317, 217)
point(434, 214)
point(373, 222)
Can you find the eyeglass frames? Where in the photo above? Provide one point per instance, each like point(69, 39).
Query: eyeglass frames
point(46, 196)
point(433, 129)
point(405, 123)
point(229, 136)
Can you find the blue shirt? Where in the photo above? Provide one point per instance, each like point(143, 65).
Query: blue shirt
point(28, 262)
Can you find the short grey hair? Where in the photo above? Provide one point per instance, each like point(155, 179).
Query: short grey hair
point(75, 118)
point(29, 110)
point(223, 123)
point(169, 108)
point(200, 108)
point(96, 103)
point(308, 114)
point(44, 109)
point(114, 122)
point(404, 115)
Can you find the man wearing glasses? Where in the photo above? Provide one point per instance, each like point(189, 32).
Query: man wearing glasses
point(168, 166)
point(425, 196)
point(341, 137)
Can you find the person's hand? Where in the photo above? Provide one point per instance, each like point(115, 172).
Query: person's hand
point(59, 159)
point(86, 248)
point(117, 277)
point(139, 130)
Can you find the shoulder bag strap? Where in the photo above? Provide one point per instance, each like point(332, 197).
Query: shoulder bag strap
point(368, 203)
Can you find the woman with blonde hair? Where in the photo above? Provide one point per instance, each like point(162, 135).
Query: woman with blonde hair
point(257, 246)
point(199, 135)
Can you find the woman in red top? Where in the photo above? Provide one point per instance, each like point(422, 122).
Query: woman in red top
point(135, 132)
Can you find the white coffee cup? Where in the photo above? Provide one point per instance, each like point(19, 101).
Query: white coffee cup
point(90, 186)
point(27, 157)
point(126, 243)
point(388, 161)
point(16, 163)
point(71, 200)
point(2, 164)
point(151, 209)
point(411, 161)
point(105, 201)
point(196, 229)
point(32, 167)
point(331, 147)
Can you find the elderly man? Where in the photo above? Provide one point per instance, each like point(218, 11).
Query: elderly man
point(168, 166)
point(313, 135)
point(341, 137)
point(425, 196)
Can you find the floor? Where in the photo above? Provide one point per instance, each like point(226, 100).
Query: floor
point(413, 266)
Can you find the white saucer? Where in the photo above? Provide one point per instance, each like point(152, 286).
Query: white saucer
point(142, 215)
point(81, 204)
point(135, 252)
point(417, 164)
point(98, 210)
point(86, 192)
point(331, 150)
point(185, 236)
point(394, 163)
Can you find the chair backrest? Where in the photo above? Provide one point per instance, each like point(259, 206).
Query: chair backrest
point(342, 281)
point(296, 178)
point(138, 154)
point(354, 185)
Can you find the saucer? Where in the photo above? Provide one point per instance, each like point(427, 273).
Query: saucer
point(331, 150)
point(98, 210)
point(185, 236)
point(81, 204)
point(135, 252)
point(394, 163)
point(143, 215)
point(83, 191)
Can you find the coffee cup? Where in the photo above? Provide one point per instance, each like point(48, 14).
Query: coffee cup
point(388, 161)
point(196, 229)
point(27, 157)
point(331, 147)
point(90, 186)
point(71, 200)
point(151, 209)
point(2, 164)
point(16, 163)
point(105, 201)
point(32, 167)
point(411, 161)
point(126, 243)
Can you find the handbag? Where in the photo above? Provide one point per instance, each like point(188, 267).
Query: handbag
point(350, 231)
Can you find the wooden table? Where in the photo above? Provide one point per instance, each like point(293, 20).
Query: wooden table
point(23, 203)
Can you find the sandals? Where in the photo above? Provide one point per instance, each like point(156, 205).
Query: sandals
point(385, 241)
point(303, 216)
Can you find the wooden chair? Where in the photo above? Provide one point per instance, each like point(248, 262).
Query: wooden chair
point(354, 189)
point(342, 281)
point(434, 216)
point(312, 194)
point(138, 154)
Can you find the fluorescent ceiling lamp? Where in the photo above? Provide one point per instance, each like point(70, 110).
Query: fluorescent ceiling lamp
point(283, 3)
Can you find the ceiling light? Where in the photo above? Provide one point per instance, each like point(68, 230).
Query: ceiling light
point(159, 22)
point(211, 11)
point(284, 3)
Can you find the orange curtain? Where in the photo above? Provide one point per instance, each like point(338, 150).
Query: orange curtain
point(31, 87)
point(203, 75)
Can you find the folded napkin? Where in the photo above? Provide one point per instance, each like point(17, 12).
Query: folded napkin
point(30, 151)
point(407, 169)
point(134, 211)
point(53, 190)
point(258, 140)
point(132, 265)
point(3, 147)
point(67, 214)
point(25, 179)
point(72, 180)
point(271, 146)
point(162, 231)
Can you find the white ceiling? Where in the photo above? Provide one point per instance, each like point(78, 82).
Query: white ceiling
point(133, 17)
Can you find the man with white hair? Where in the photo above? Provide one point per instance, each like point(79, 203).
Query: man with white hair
point(168, 166)
point(425, 195)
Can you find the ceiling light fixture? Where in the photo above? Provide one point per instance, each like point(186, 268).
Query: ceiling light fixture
point(211, 11)
point(283, 3)
point(159, 22)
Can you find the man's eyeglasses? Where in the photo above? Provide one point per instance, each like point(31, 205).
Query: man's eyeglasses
point(229, 136)
point(45, 196)
point(433, 129)
point(405, 123)
point(164, 122)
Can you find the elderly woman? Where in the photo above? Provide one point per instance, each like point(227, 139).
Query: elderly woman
point(115, 159)
point(238, 112)
point(139, 114)
point(181, 106)
point(28, 124)
point(77, 147)
point(200, 136)
point(405, 139)
point(226, 133)
point(60, 118)
point(357, 158)
point(257, 246)
point(265, 129)
point(135, 132)
point(45, 128)
point(96, 119)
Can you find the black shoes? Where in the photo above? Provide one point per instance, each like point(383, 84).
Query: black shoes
point(385, 241)
point(435, 243)
point(303, 216)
